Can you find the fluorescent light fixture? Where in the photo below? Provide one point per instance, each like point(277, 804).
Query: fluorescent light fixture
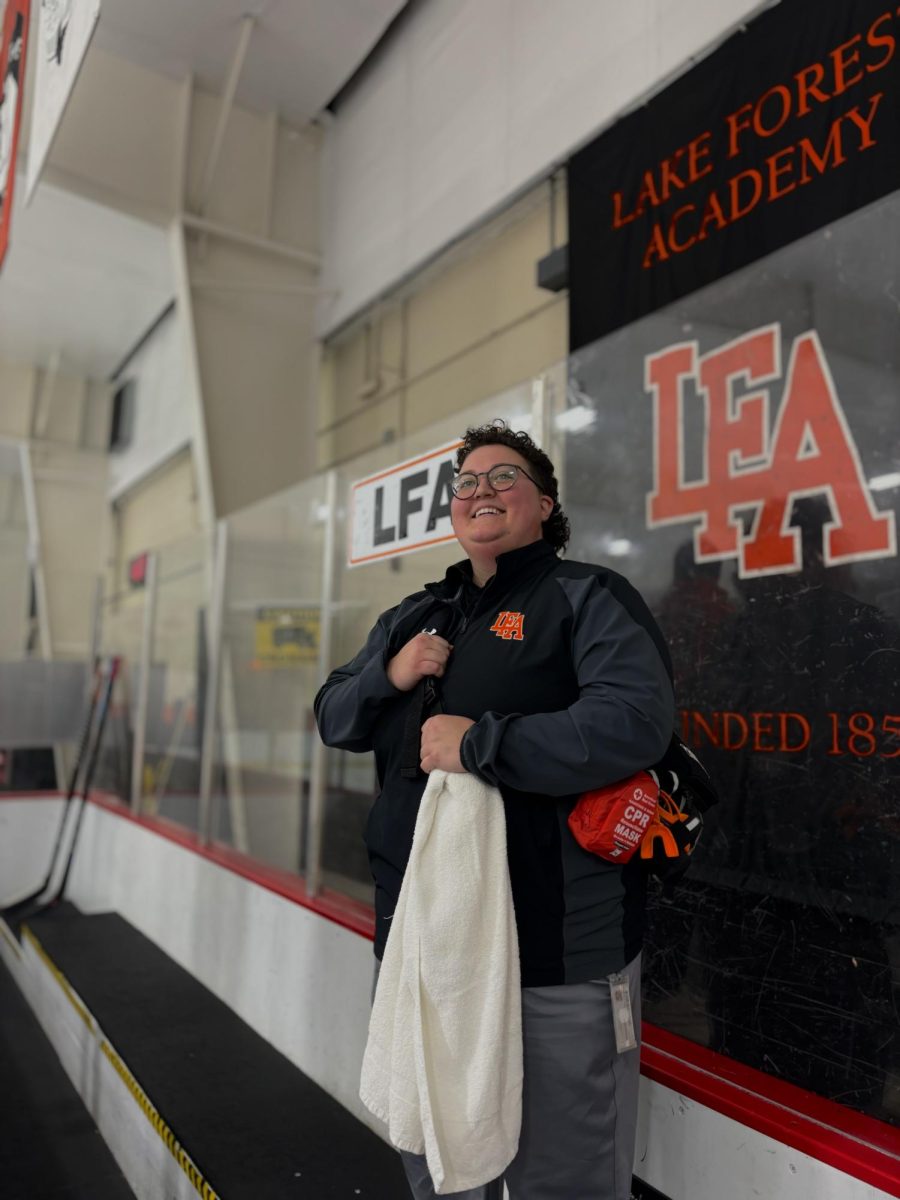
point(618, 547)
point(575, 419)
point(881, 483)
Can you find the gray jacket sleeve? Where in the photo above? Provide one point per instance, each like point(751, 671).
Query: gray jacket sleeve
point(621, 722)
point(350, 700)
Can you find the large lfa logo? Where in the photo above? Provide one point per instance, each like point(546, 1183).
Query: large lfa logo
point(751, 463)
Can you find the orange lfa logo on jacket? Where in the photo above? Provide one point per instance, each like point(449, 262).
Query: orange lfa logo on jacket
point(509, 625)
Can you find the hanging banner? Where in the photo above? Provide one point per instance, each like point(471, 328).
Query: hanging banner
point(63, 33)
point(402, 509)
point(12, 88)
point(788, 126)
point(733, 291)
point(811, 453)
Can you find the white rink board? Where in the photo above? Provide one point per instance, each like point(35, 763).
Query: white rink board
point(304, 984)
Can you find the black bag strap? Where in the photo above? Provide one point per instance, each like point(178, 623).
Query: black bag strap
point(424, 702)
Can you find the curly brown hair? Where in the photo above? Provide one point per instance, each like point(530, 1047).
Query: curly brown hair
point(555, 529)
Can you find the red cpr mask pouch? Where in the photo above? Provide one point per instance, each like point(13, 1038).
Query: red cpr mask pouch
point(612, 821)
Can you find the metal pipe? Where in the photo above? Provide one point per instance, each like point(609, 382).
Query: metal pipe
point(199, 440)
point(269, 171)
point(248, 23)
point(39, 582)
point(251, 240)
point(35, 556)
point(249, 285)
point(142, 702)
point(181, 143)
point(168, 759)
point(213, 671)
point(317, 768)
point(231, 749)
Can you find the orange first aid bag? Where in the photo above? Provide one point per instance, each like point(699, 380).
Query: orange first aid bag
point(611, 821)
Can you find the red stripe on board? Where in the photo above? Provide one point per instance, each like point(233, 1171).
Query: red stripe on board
point(860, 1146)
point(342, 910)
point(32, 795)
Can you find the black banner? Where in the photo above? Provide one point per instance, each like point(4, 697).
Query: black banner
point(791, 124)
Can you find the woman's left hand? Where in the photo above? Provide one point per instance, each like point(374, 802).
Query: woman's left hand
point(441, 738)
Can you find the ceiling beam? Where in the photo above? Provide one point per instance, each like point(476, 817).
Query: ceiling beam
point(251, 240)
point(248, 24)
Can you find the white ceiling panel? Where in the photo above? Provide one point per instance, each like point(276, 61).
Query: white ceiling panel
point(300, 55)
point(79, 279)
point(86, 281)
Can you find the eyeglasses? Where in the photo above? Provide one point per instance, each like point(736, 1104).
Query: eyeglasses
point(501, 478)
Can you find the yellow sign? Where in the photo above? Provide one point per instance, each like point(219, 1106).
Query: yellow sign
point(286, 637)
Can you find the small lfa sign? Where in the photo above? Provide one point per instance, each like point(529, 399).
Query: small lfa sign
point(405, 508)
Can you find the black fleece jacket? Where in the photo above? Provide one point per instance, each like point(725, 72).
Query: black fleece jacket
point(578, 694)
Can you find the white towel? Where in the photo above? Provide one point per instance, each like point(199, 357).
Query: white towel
point(443, 1063)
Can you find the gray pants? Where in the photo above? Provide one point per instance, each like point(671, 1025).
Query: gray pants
point(579, 1101)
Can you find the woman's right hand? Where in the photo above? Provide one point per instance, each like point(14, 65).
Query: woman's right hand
point(425, 654)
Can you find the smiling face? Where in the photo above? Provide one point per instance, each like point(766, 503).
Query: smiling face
point(490, 523)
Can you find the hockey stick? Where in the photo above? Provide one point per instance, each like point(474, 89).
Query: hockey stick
point(86, 785)
point(10, 910)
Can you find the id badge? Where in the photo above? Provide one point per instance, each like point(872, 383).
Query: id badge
point(623, 1022)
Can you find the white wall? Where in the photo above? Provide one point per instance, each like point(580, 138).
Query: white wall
point(70, 486)
point(472, 100)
